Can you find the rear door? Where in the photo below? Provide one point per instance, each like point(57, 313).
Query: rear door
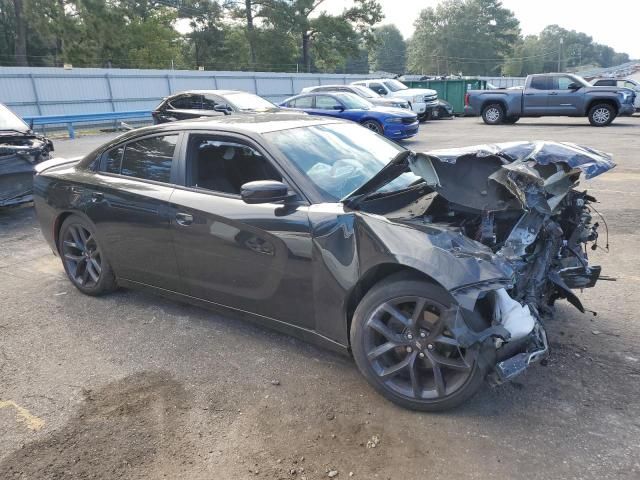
point(254, 258)
point(129, 204)
point(535, 96)
point(562, 99)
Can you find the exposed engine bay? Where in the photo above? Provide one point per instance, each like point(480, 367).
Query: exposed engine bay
point(19, 153)
point(521, 200)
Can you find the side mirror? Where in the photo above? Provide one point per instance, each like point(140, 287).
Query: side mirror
point(222, 108)
point(264, 191)
point(573, 86)
point(339, 108)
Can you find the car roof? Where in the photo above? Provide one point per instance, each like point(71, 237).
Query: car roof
point(210, 92)
point(248, 123)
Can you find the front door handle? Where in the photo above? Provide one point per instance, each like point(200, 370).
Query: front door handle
point(553, 93)
point(184, 219)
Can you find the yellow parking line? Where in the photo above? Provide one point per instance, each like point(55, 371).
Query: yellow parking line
point(31, 421)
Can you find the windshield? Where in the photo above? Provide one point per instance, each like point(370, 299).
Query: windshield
point(365, 92)
point(351, 101)
point(249, 101)
point(10, 121)
point(395, 85)
point(339, 158)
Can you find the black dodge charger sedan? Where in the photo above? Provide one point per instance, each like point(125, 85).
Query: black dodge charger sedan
point(434, 270)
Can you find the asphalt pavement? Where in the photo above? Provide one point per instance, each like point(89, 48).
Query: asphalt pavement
point(133, 386)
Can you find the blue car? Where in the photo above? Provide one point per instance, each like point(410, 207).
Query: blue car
point(395, 123)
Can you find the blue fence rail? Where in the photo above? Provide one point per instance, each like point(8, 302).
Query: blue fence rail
point(69, 120)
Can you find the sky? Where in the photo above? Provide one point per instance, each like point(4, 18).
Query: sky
point(612, 22)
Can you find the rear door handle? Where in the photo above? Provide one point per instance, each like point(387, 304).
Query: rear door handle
point(553, 93)
point(184, 219)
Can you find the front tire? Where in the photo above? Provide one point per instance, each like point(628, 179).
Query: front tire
point(374, 126)
point(83, 259)
point(601, 115)
point(493, 114)
point(402, 347)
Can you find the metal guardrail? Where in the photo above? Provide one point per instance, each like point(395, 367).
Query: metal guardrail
point(69, 120)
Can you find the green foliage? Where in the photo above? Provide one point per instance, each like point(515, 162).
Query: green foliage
point(389, 53)
point(468, 36)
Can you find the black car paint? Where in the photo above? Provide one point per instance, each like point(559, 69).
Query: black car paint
point(165, 112)
point(299, 267)
point(19, 153)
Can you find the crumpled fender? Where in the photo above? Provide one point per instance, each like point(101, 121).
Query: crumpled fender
point(462, 266)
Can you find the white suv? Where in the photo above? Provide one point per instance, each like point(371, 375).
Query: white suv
point(422, 100)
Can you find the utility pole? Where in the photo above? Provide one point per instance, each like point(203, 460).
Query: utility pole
point(560, 55)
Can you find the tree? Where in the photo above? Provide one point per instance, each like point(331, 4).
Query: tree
point(390, 51)
point(21, 33)
point(471, 36)
point(325, 39)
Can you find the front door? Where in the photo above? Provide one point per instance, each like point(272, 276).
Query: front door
point(254, 258)
point(564, 100)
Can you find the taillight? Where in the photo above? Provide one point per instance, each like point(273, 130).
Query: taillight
point(466, 99)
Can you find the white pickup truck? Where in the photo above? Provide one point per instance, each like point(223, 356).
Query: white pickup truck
point(423, 101)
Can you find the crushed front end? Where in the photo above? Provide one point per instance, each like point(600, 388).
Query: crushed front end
point(521, 200)
point(19, 153)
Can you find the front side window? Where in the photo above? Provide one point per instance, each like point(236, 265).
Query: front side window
point(395, 85)
point(187, 102)
point(339, 158)
point(147, 159)
point(378, 88)
point(564, 82)
point(224, 166)
point(325, 102)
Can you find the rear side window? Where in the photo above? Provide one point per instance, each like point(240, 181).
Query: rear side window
point(113, 160)
point(302, 102)
point(606, 83)
point(147, 159)
point(540, 83)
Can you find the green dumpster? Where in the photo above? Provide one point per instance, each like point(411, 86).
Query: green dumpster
point(452, 91)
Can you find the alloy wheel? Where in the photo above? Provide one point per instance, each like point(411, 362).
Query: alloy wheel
point(82, 256)
point(601, 115)
point(410, 349)
point(493, 114)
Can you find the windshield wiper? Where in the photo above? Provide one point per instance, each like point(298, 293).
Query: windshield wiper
point(4, 131)
point(392, 170)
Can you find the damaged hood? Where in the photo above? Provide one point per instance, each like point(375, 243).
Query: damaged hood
point(494, 177)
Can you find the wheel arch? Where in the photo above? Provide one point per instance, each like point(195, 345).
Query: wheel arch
point(371, 278)
point(497, 101)
point(596, 101)
point(57, 224)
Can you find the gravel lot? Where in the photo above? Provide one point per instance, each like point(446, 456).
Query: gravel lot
point(134, 386)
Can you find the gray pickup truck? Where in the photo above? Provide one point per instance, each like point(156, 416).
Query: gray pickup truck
point(552, 94)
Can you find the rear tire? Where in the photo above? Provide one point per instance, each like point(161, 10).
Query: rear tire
point(493, 114)
point(417, 364)
point(83, 259)
point(601, 115)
